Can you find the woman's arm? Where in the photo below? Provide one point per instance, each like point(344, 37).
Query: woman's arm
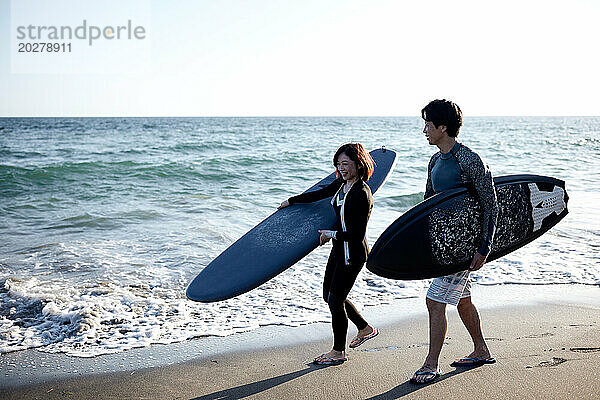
point(319, 194)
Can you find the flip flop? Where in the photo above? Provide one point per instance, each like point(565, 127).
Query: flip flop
point(357, 341)
point(322, 360)
point(432, 376)
point(472, 361)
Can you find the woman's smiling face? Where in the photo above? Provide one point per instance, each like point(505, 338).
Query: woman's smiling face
point(346, 167)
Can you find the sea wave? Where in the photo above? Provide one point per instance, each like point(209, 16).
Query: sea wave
point(107, 316)
point(401, 202)
point(106, 220)
point(23, 179)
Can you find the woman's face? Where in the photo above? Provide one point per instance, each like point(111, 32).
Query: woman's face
point(346, 167)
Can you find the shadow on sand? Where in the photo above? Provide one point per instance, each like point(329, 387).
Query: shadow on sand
point(253, 388)
point(408, 387)
point(240, 392)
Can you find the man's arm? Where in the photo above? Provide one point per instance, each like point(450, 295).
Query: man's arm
point(483, 183)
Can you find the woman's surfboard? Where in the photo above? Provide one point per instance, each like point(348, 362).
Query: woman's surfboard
point(277, 243)
point(440, 235)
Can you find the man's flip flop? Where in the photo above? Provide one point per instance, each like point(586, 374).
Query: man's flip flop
point(322, 360)
point(430, 374)
point(472, 361)
point(357, 341)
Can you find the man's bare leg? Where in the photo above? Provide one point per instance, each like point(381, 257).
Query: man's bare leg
point(438, 326)
point(470, 318)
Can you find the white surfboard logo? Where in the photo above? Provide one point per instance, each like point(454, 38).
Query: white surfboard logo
point(545, 203)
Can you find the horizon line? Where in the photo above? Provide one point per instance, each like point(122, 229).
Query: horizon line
point(292, 116)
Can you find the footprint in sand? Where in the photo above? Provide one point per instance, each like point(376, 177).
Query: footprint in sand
point(410, 346)
point(381, 349)
point(391, 348)
point(585, 349)
point(536, 336)
point(552, 363)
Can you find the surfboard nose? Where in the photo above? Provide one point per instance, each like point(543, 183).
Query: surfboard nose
point(206, 290)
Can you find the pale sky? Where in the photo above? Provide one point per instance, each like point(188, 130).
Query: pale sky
point(327, 58)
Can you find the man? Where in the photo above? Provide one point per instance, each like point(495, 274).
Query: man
point(455, 164)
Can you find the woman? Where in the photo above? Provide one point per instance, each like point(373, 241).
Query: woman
point(352, 202)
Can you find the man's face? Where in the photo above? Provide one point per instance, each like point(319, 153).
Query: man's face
point(434, 135)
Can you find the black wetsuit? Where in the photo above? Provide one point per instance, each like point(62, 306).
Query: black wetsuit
point(349, 252)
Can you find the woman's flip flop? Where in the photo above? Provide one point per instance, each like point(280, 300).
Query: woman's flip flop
point(322, 360)
point(357, 341)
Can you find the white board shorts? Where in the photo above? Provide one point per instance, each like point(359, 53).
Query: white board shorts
point(450, 289)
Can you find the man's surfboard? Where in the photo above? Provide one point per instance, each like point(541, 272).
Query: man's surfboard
point(277, 243)
point(440, 235)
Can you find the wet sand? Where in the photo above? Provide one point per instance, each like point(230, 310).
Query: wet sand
point(547, 347)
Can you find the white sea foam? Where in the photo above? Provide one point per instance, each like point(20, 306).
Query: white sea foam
point(124, 309)
point(132, 300)
point(105, 316)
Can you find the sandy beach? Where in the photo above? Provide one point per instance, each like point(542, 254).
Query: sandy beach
point(547, 343)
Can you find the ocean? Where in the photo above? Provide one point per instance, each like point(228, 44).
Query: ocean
point(104, 221)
